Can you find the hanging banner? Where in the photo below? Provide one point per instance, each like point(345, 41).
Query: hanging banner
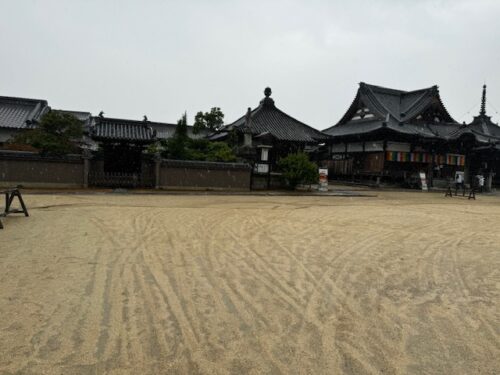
point(425, 157)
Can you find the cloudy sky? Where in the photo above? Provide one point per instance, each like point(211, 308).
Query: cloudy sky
point(161, 58)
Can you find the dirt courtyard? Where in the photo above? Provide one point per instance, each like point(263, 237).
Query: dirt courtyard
point(400, 283)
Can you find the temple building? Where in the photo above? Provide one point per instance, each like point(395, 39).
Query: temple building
point(393, 135)
point(265, 134)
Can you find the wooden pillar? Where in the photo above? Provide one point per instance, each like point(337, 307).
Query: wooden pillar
point(430, 170)
point(157, 171)
point(86, 168)
point(467, 177)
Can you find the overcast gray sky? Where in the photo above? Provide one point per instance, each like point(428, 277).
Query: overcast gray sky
point(162, 58)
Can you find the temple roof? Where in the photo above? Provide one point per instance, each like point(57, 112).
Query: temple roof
point(267, 118)
point(105, 128)
point(114, 129)
point(17, 113)
point(376, 107)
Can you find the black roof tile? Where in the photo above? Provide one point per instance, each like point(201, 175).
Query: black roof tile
point(395, 110)
point(268, 118)
point(122, 130)
point(17, 113)
point(135, 130)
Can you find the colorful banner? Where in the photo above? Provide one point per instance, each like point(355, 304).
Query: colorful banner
point(425, 157)
point(454, 159)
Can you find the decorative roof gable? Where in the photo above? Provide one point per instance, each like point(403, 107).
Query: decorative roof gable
point(409, 112)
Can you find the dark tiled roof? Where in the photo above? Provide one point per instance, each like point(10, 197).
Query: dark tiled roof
point(395, 110)
point(401, 105)
point(18, 113)
point(122, 130)
point(483, 124)
point(267, 118)
point(133, 130)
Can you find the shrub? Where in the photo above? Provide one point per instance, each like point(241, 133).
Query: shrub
point(297, 169)
point(220, 151)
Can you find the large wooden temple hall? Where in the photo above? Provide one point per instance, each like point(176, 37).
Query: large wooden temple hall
point(393, 135)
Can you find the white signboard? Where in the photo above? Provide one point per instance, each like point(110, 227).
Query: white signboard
point(423, 181)
point(262, 168)
point(323, 179)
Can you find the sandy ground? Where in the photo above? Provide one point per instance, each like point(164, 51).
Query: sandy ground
point(402, 283)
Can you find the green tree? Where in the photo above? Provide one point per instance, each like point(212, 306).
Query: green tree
point(176, 146)
point(211, 121)
point(297, 169)
point(57, 134)
point(181, 147)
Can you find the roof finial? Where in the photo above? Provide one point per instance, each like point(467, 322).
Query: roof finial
point(483, 102)
point(267, 101)
point(248, 116)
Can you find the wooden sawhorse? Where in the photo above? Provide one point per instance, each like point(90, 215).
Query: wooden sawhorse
point(10, 194)
point(472, 193)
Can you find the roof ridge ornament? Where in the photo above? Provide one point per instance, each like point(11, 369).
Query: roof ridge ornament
point(248, 117)
point(267, 101)
point(483, 102)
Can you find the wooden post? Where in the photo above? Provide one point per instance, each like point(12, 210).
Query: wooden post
point(157, 170)
point(86, 167)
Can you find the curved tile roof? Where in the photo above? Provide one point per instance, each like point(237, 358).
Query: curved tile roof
point(17, 113)
point(122, 130)
point(394, 110)
point(267, 118)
